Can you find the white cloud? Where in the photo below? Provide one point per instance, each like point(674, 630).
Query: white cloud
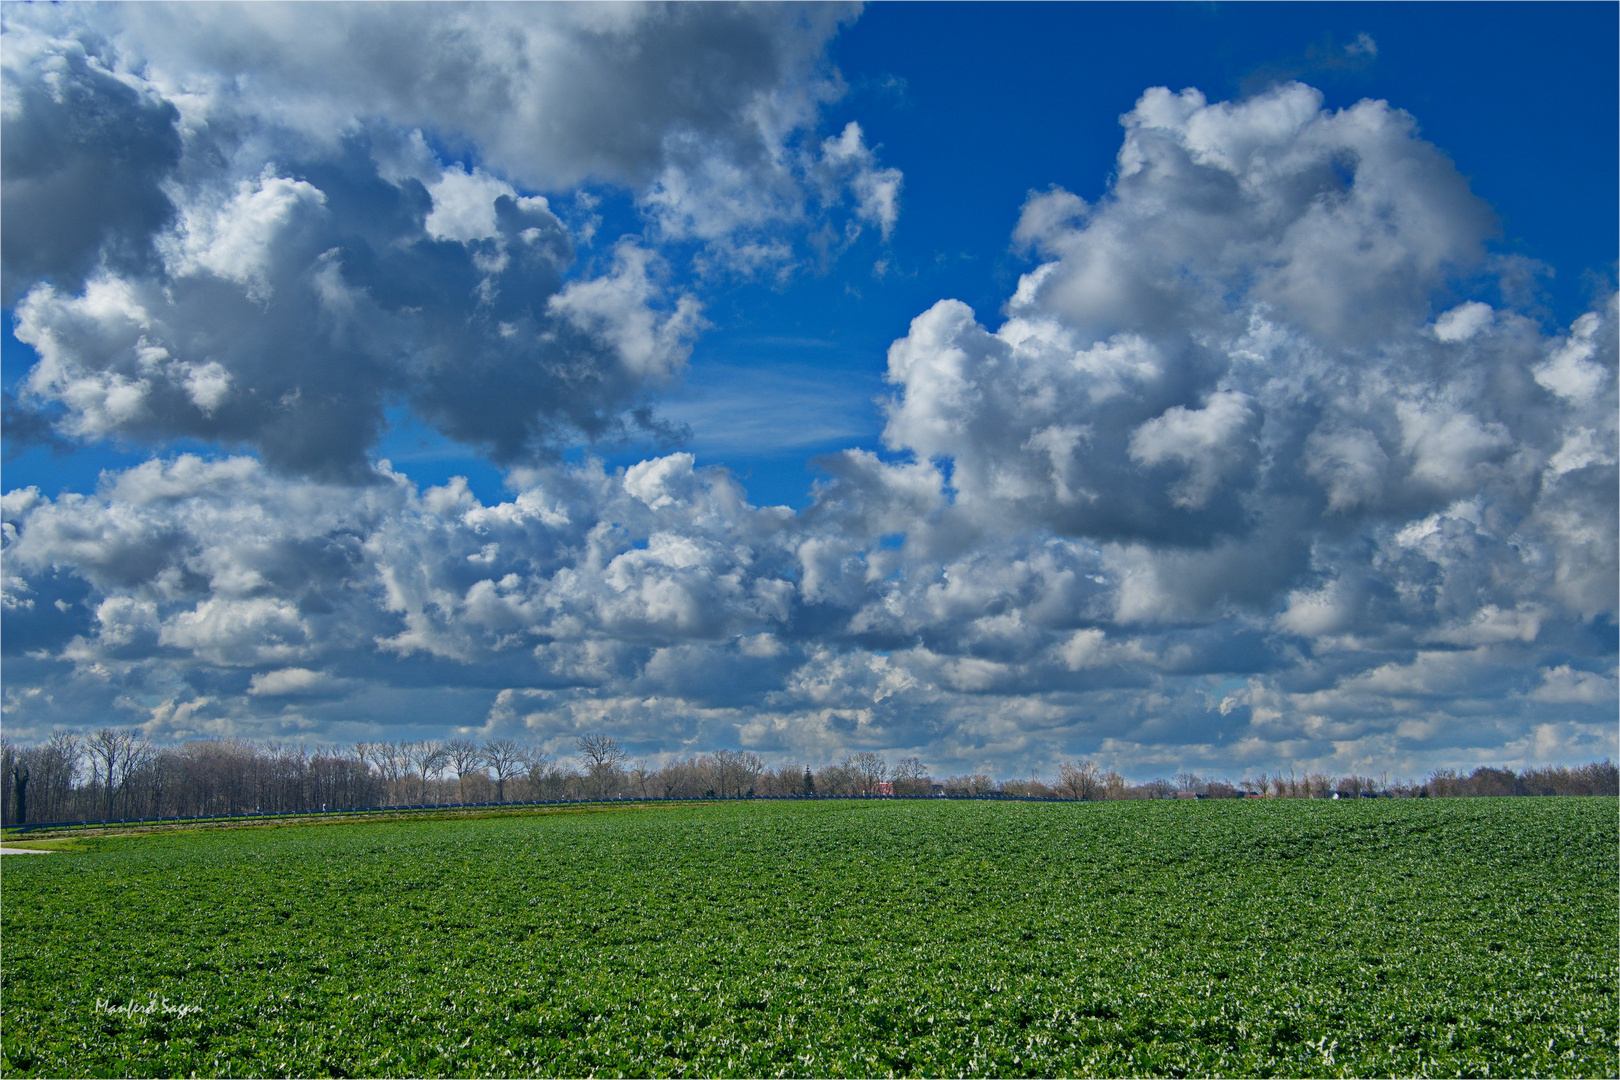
point(251, 631)
point(1319, 612)
point(876, 190)
point(1446, 444)
point(608, 85)
point(617, 308)
point(464, 204)
point(1463, 321)
point(1563, 685)
point(276, 326)
point(1572, 371)
point(235, 240)
point(1048, 214)
point(1207, 441)
point(1582, 447)
point(264, 247)
point(288, 682)
point(1218, 486)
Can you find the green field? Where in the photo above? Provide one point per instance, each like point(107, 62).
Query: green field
point(1471, 937)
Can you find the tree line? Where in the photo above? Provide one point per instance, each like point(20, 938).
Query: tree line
point(112, 774)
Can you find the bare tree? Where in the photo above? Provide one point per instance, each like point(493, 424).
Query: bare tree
point(782, 780)
point(910, 778)
point(547, 779)
point(106, 751)
point(138, 758)
point(113, 756)
point(1354, 785)
point(973, 785)
point(1080, 780)
point(868, 770)
point(1114, 785)
point(465, 757)
point(600, 751)
point(642, 779)
point(427, 759)
point(835, 781)
point(735, 771)
point(603, 755)
point(55, 768)
point(394, 762)
point(505, 757)
point(684, 778)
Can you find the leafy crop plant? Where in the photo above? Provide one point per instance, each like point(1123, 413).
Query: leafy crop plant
point(1468, 937)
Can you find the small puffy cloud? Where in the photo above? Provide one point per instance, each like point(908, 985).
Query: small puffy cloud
point(289, 682)
point(464, 205)
point(617, 310)
point(249, 631)
point(1447, 445)
point(1563, 685)
point(1349, 463)
point(1574, 371)
point(236, 240)
point(1582, 447)
point(876, 190)
point(731, 208)
point(1319, 612)
point(662, 482)
point(1463, 321)
point(1048, 214)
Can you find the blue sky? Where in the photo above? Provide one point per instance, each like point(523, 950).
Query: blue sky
point(1273, 425)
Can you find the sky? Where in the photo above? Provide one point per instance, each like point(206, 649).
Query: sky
point(1207, 387)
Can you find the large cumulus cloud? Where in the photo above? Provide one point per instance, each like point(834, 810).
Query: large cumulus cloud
point(266, 227)
point(1249, 377)
point(1258, 468)
point(1252, 352)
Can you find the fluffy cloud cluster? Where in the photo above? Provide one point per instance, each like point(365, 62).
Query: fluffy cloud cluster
point(1247, 381)
point(250, 227)
point(1258, 468)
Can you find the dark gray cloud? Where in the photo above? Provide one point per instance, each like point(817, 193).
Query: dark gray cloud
point(239, 225)
point(551, 96)
point(705, 112)
point(294, 309)
point(84, 155)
